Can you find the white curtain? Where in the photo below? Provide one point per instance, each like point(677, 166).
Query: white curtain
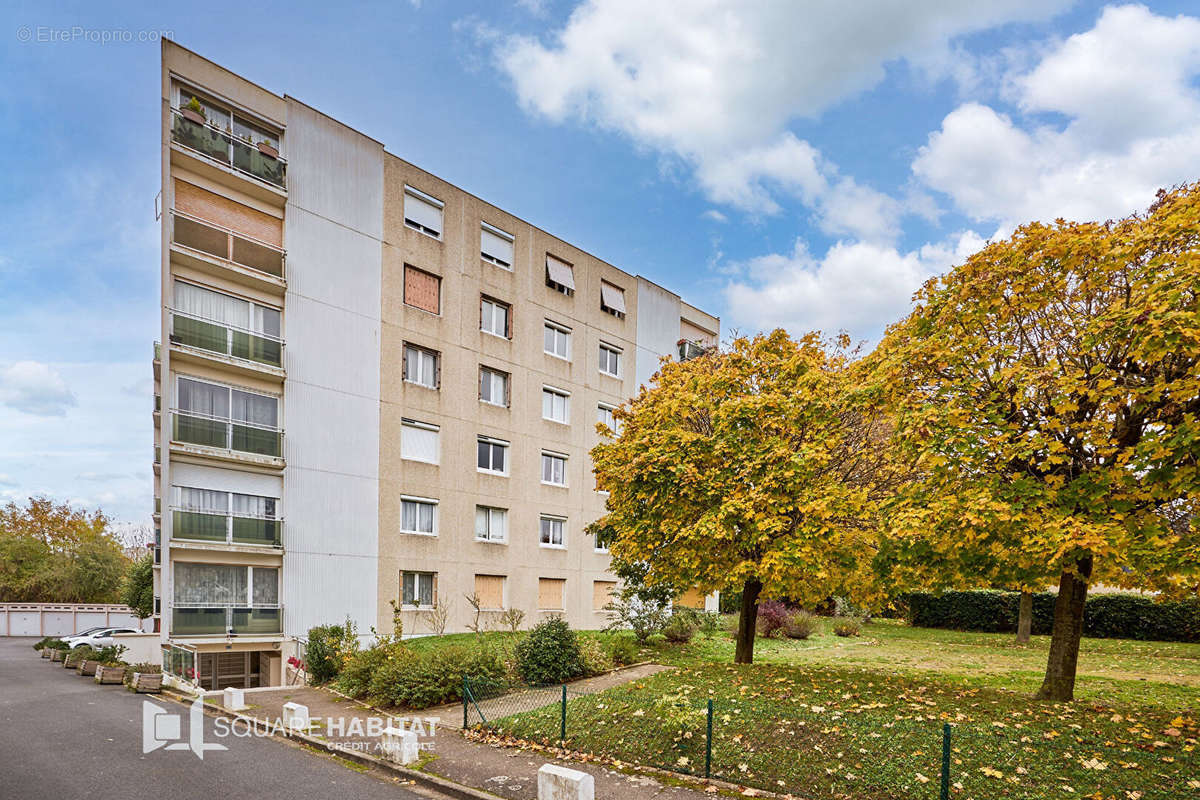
point(266, 586)
point(210, 305)
point(203, 398)
point(416, 516)
point(256, 409)
point(209, 584)
point(248, 505)
point(205, 500)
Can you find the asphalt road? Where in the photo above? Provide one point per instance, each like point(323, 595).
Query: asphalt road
point(64, 736)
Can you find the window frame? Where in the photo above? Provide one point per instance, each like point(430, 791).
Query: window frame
point(437, 365)
point(551, 454)
point(417, 194)
point(615, 426)
point(557, 328)
point(492, 441)
point(507, 386)
point(562, 522)
point(417, 575)
point(618, 352)
point(408, 498)
point(508, 312)
point(489, 511)
point(566, 397)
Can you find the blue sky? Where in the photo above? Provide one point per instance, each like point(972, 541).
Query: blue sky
point(797, 164)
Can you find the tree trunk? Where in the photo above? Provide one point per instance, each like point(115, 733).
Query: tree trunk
point(747, 623)
point(1025, 617)
point(1059, 683)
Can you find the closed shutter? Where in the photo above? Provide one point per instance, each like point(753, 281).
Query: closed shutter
point(419, 442)
point(691, 599)
point(489, 590)
point(560, 272)
point(422, 211)
point(496, 246)
point(602, 592)
point(550, 594)
point(193, 200)
point(422, 290)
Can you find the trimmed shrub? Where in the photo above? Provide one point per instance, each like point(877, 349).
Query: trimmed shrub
point(327, 646)
point(595, 660)
point(392, 674)
point(355, 677)
point(45, 642)
point(622, 650)
point(847, 626)
point(549, 653)
point(800, 625)
point(679, 629)
point(772, 616)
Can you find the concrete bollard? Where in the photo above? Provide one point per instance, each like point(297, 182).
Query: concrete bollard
point(234, 700)
point(295, 716)
point(400, 745)
point(561, 783)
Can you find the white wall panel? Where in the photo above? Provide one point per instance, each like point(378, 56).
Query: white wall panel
point(343, 339)
point(657, 327)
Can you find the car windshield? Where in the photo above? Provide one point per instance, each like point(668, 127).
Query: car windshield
point(87, 631)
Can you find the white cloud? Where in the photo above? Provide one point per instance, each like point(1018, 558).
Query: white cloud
point(858, 287)
point(35, 388)
point(712, 215)
point(1127, 89)
point(715, 82)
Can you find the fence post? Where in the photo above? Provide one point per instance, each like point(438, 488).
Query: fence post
point(562, 737)
point(708, 744)
point(946, 761)
point(464, 694)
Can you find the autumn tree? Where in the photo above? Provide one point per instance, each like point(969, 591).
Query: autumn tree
point(755, 469)
point(1050, 397)
point(137, 588)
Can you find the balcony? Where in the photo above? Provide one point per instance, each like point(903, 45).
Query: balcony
point(253, 351)
point(204, 434)
point(689, 350)
point(226, 620)
point(156, 364)
point(227, 150)
point(230, 529)
point(254, 259)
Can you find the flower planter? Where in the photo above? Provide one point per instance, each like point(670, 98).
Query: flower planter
point(56, 654)
point(267, 150)
point(192, 116)
point(110, 674)
point(46, 652)
point(87, 666)
point(71, 660)
point(146, 682)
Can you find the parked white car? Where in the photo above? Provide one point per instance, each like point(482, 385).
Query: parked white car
point(101, 637)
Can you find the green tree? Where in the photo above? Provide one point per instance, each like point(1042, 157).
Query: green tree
point(757, 469)
point(137, 591)
point(1051, 400)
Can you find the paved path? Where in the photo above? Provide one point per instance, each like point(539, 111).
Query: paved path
point(64, 736)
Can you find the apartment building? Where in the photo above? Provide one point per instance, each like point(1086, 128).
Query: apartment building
point(374, 390)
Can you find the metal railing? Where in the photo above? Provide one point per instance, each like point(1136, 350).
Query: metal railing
point(224, 339)
point(224, 243)
point(198, 525)
point(222, 620)
point(227, 149)
point(191, 427)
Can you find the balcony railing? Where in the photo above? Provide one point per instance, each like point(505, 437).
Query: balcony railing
point(225, 339)
point(226, 244)
point(222, 620)
point(190, 427)
point(227, 149)
point(205, 526)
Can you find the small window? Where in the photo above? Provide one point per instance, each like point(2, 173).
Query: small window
point(423, 212)
point(419, 441)
point(553, 533)
point(560, 276)
point(422, 290)
point(605, 416)
point(418, 515)
point(554, 468)
point(417, 589)
point(494, 317)
point(421, 366)
point(496, 246)
point(550, 594)
point(492, 455)
point(600, 541)
point(610, 360)
point(493, 386)
point(557, 340)
point(612, 299)
point(555, 404)
point(491, 524)
point(689, 350)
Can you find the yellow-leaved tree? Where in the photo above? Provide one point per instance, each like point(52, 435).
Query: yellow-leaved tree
point(1050, 400)
point(758, 469)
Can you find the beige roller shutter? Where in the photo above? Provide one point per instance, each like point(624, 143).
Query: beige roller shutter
point(550, 594)
point(490, 591)
point(560, 272)
point(602, 592)
point(691, 599)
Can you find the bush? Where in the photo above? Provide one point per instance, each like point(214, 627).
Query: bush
point(328, 648)
point(707, 622)
point(111, 656)
point(622, 650)
point(847, 626)
point(800, 625)
point(630, 612)
point(355, 678)
point(596, 660)
point(393, 674)
point(772, 616)
point(549, 653)
point(87, 653)
point(45, 642)
point(679, 629)
point(144, 667)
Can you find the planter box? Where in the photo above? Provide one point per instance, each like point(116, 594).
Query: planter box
point(45, 652)
point(56, 655)
point(110, 674)
point(71, 660)
point(87, 666)
point(147, 682)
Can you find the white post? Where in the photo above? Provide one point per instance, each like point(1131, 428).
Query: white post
point(561, 783)
point(234, 700)
point(400, 745)
point(295, 716)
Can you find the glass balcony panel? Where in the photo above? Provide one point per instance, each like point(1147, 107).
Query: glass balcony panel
point(196, 525)
point(255, 440)
point(199, 333)
point(249, 158)
point(198, 430)
point(202, 138)
point(198, 236)
point(263, 532)
point(257, 620)
point(256, 256)
point(257, 348)
point(197, 621)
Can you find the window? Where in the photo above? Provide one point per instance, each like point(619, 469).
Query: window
point(493, 456)
point(220, 516)
point(689, 350)
point(491, 524)
point(554, 468)
point(602, 594)
point(557, 340)
point(417, 589)
point(228, 418)
point(494, 317)
point(419, 441)
point(610, 360)
point(553, 531)
point(493, 386)
point(418, 515)
point(422, 290)
point(601, 540)
point(555, 404)
point(423, 212)
point(421, 366)
point(199, 584)
point(612, 299)
point(560, 276)
point(489, 592)
point(550, 594)
point(231, 312)
point(604, 415)
point(496, 246)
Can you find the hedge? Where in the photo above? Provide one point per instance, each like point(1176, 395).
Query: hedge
point(1112, 616)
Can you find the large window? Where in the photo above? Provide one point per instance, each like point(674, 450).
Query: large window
point(421, 366)
point(221, 516)
point(557, 340)
point(610, 360)
point(214, 415)
point(560, 276)
point(221, 323)
point(418, 515)
point(417, 589)
point(419, 441)
point(199, 584)
point(492, 455)
point(494, 317)
point(553, 531)
point(555, 404)
point(554, 468)
point(493, 386)
point(612, 299)
point(422, 290)
point(496, 246)
point(491, 524)
point(423, 212)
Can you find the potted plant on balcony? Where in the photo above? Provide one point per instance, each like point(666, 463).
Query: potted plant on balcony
point(110, 669)
point(144, 678)
point(193, 112)
point(87, 661)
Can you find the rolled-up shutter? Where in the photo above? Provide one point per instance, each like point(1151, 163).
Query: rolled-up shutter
point(495, 245)
point(423, 211)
